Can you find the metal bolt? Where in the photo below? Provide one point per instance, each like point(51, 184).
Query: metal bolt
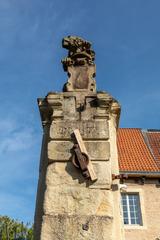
point(85, 226)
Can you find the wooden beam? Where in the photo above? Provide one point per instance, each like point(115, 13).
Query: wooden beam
point(84, 150)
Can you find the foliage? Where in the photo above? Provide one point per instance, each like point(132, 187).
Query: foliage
point(11, 229)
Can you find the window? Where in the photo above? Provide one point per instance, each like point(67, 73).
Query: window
point(131, 209)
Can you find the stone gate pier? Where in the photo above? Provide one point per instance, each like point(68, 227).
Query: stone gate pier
point(78, 196)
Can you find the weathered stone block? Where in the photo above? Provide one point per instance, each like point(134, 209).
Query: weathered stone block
point(98, 150)
point(61, 150)
point(74, 200)
point(76, 227)
point(69, 108)
point(88, 129)
point(103, 172)
point(65, 173)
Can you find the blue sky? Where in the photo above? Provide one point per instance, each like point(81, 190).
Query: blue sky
point(126, 37)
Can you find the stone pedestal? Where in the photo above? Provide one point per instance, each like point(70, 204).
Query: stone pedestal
point(68, 206)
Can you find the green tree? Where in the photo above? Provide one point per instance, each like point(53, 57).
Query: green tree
point(11, 229)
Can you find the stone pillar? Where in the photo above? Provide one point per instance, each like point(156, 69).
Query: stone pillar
point(70, 207)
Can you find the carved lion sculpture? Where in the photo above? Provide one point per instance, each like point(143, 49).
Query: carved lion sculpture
point(79, 53)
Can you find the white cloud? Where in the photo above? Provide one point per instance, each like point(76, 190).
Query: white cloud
point(19, 156)
point(17, 141)
point(15, 135)
point(18, 149)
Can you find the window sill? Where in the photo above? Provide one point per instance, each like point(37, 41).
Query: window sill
point(132, 227)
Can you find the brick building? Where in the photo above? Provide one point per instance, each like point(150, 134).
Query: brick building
point(139, 158)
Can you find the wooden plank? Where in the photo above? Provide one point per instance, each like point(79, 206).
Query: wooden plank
point(91, 171)
point(83, 150)
point(80, 141)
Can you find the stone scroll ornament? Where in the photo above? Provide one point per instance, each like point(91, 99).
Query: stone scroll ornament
point(79, 64)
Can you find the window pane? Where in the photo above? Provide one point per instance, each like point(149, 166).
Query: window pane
point(132, 214)
point(126, 221)
point(130, 197)
point(133, 221)
point(131, 209)
point(125, 208)
point(125, 214)
point(131, 202)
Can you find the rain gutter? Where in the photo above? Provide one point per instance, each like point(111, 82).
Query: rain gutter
point(141, 174)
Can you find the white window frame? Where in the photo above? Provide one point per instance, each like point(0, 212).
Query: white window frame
point(129, 211)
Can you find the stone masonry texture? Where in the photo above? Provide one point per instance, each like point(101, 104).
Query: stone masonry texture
point(68, 206)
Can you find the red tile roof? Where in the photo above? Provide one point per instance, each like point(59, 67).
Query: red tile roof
point(154, 144)
point(134, 152)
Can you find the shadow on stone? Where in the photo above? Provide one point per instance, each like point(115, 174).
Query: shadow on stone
point(38, 218)
point(114, 187)
point(74, 172)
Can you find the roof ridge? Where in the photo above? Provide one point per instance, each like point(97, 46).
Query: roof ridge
point(153, 131)
point(150, 130)
point(130, 128)
point(147, 143)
